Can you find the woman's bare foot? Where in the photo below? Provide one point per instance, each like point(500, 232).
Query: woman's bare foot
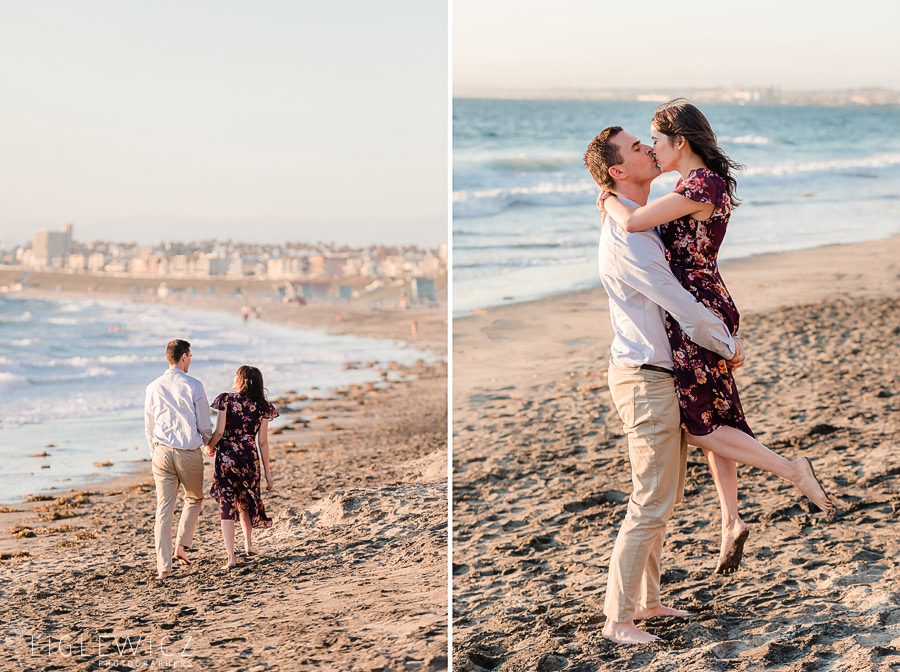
point(640, 613)
point(229, 564)
point(733, 538)
point(810, 486)
point(626, 633)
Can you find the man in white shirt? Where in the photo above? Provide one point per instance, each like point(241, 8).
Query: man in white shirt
point(177, 424)
point(641, 289)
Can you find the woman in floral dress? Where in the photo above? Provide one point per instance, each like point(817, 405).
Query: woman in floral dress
point(692, 222)
point(243, 416)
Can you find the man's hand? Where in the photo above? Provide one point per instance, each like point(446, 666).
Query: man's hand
point(738, 360)
point(209, 452)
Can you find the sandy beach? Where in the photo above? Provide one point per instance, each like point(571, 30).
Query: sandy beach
point(352, 576)
point(541, 479)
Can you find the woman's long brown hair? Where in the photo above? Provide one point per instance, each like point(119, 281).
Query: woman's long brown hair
point(250, 382)
point(681, 117)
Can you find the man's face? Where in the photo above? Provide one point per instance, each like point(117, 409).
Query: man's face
point(186, 361)
point(638, 161)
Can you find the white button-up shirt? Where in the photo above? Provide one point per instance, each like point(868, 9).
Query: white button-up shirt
point(641, 289)
point(176, 412)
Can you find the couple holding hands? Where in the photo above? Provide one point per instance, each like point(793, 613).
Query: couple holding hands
point(674, 348)
point(177, 424)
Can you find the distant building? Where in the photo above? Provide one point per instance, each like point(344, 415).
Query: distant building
point(96, 261)
point(316, 265)
point(335, 264)
point(430, 266)
point(51, 248)
point(423, 288)
point(211, 264)
point(77, 262)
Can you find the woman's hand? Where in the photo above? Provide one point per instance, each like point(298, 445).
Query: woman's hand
point(209, 451)
point(601, 200)
point(269, 482)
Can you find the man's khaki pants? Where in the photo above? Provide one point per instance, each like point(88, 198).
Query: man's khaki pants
point(647, 404)
point(173, 467)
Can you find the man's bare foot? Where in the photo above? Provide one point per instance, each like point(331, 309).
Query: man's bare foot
point(641, 613)
point(626, 633)
point(181, 556)
point(162, 576)
point(733, 539)
point(810, 486)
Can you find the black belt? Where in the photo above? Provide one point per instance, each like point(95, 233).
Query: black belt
point(653, 367)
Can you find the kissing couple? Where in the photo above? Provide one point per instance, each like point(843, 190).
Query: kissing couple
point(674, 349)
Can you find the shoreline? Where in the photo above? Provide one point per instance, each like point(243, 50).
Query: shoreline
point(541, 478)
point(723, 265)
point(354, 320)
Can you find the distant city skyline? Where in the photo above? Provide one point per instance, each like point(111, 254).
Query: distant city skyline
point(138, 121)
point(581, 44)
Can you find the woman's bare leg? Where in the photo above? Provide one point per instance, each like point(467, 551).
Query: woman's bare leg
point(734, 444)
point(248, 531)
point(228, 536)
point(734, 530)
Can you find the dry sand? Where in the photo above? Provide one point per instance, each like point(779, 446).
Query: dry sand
point(541, 479)
point(352, 576)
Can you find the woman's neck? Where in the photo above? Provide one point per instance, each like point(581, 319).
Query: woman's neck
point(689, 163)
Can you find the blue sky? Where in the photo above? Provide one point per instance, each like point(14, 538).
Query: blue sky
point(138, 120)
point(803, 44)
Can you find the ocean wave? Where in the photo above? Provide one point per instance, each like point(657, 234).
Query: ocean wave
point(787, 168)
point(11, 381)
point(514, 246)
point(93, 372)
point(748, 140)
point(524, 164)
point(487, 202)
point(572, 190)
point(16, 319)
point(83, 362)
point(73, 307)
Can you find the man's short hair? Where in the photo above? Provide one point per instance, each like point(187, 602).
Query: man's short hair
point(177, 349)
point(601, 154)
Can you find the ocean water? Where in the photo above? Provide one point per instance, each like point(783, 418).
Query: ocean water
point(525, 223)
point(73, 374)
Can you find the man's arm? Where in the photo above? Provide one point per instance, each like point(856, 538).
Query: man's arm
point(643, 266)
point(201, 410)
point(149, 418)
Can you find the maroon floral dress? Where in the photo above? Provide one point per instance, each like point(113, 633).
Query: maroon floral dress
point(236, 479)
point(706, 391)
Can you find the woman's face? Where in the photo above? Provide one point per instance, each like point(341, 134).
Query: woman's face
point(664, 149)
point(236, 384)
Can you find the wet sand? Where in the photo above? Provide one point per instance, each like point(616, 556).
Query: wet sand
point(541, 480)
point(352, 575)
